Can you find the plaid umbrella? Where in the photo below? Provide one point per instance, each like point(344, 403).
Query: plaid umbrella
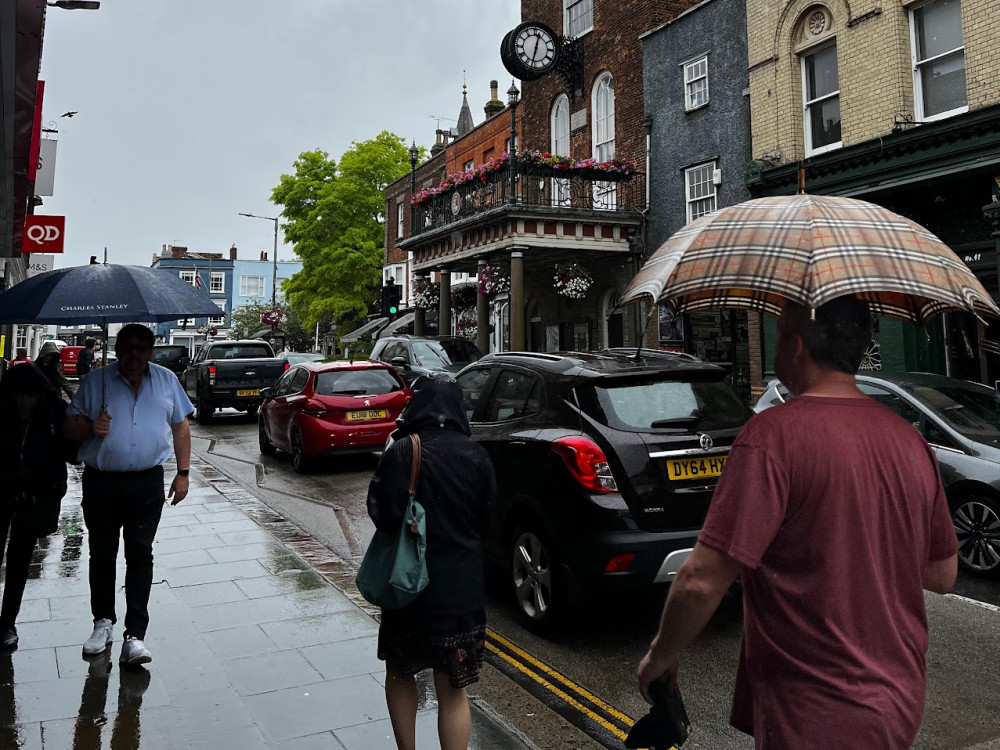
point(810, 249)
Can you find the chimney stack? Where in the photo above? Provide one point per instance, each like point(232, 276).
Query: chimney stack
point(494, 106)
point(177, 251)
point(232, 252)
point(263, 254)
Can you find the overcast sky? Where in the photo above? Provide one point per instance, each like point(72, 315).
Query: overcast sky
point(189, 111)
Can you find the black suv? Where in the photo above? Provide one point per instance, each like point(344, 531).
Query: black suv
point(606, 464)
point(437, 356)
point(174, 357)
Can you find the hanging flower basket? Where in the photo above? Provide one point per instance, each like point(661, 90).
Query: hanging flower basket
point(272, 317)
point(572, 281)
point(493, 281)
point(427, 296)
point(465, 325)
point(464, 297)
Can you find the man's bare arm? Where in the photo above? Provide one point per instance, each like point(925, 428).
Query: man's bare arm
point(694, 595)
point(78, 427)
point(940, 575)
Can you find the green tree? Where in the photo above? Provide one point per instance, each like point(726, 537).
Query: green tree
point(334, 214)
point(245, 322)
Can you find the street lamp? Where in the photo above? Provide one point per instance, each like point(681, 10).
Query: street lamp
point(75, 4)
point(274, 266)
point(513, 95)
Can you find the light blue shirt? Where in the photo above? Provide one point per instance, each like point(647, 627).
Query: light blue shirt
point(140, 436)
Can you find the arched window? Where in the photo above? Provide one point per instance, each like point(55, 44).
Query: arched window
point(559, 128)
point(603, 134)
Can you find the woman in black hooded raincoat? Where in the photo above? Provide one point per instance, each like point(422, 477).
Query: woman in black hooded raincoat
point(444, 629)
point(32, 479)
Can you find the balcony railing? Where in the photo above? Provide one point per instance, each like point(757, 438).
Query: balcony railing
point(535, 186)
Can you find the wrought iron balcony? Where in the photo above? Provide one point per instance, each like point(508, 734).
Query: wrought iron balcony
point(535, 187)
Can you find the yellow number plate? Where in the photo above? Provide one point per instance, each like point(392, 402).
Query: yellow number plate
point(254, 392)
point(366, 415)
point(695, 468)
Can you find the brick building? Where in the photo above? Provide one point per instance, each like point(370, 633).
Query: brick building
point(897, 103)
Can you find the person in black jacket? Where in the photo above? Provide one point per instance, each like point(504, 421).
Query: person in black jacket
point(444, 629)
point(32, 479)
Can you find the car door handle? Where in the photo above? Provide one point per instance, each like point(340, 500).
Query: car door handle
point(517, 443)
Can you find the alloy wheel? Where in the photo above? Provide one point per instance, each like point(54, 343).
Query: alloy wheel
point(266, 446)
point(298, 452)
point(532, 576)
point(977, 525)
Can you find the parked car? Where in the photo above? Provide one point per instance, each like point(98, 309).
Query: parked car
point(231, 373)
point(606, 465)
point(296, 358)
point(68, 356)
point(413, 356)
point(322, 409)
point(174, 357)
point(961, 422)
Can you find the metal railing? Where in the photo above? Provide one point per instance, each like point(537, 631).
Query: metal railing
point(534, 186)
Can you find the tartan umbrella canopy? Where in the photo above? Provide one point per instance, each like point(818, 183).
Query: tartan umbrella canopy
point(810, 249)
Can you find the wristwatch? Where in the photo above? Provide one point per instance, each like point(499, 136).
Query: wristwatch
point(183, 472)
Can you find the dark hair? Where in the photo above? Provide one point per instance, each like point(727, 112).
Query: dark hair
point(90, 342)
point(839, 334)
point(137, 331)
point(24, 379)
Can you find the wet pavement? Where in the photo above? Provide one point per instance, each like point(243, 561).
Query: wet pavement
point(253, 646)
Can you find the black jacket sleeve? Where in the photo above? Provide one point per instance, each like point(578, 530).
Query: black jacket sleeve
point(388, 491)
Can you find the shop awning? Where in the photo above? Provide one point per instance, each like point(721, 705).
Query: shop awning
point(397, 325)
point(369, 328)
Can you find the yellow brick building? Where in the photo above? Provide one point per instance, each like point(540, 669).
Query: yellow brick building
point(897, 103)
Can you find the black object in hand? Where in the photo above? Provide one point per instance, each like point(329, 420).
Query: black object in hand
point(666, 725)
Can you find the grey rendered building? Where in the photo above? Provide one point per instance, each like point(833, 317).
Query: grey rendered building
point(698, 118)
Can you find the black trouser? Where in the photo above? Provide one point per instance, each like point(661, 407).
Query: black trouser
point(126, 503)
point(17, 542)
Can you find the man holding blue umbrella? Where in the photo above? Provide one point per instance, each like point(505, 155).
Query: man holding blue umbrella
point(128, 420)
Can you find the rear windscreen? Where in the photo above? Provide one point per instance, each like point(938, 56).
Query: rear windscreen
point(241, 351)
point(169, 355)
point(666, 404)
point(372, 382)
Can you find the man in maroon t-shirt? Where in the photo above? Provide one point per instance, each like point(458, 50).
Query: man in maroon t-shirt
point(831, 510)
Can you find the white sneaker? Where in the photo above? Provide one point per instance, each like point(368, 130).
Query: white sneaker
point(100, 638)
point(134, 652)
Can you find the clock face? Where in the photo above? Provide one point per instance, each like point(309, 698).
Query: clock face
point(535, 48)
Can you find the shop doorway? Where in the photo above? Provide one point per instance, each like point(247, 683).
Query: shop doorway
point(614, 320)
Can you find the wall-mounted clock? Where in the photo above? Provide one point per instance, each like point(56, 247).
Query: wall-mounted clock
point(530, 50)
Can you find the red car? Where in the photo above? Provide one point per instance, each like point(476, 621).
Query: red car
point(326, 408)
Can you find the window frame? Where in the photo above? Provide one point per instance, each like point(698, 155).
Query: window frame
point(399, 219)
point(567, 31)
point(603, 102)
point(188, 277)
point(221, 319)
point(918, 86)
point(711, 165)
point(559, 143)
point(244, 286)
point(808, 104)
point(688, 66)
point(219, 276)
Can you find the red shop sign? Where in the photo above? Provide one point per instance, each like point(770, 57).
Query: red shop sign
point(43, 234)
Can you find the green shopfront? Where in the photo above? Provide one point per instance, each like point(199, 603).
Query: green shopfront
point(941, 175)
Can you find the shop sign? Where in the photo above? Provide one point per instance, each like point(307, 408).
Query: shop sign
point(43, 234)
point(40, 263)
point(980, 260)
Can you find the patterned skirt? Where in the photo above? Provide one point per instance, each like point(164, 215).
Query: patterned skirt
point(411, 646)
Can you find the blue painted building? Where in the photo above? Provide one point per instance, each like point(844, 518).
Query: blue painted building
point(210, 271)
point(252, 279)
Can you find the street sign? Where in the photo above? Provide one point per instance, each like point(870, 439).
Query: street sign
point(40, 263)
point(43, 234)
point(45, 177)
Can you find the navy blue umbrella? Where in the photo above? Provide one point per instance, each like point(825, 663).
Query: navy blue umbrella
point(101, 293)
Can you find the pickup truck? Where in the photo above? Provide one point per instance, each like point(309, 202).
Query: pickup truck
point(231, 373)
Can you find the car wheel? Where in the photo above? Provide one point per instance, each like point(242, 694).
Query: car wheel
point(205, 410)
point(535, 580)
point(266, 446)
point(299, 461)
point(977, 524)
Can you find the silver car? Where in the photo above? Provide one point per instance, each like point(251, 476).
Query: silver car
point(961, 422)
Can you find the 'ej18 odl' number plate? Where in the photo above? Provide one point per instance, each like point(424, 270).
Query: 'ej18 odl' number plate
point(695, 468)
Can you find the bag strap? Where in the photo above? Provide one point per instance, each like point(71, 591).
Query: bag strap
point(414, 465)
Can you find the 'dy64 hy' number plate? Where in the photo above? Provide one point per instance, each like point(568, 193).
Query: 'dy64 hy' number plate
point(695, 468)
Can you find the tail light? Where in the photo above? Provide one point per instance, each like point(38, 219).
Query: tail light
point(314, 408)
point(211, 376)
point(586, 462)
point(620, 563)
point(287, 366)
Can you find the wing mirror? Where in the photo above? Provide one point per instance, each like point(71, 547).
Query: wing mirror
point(400, 362)
point(267, 392)
point(185, 361)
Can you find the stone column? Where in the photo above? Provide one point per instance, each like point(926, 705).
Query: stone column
point(419, 312)
point(444, 307)
point(482, 317)
point(517, 301)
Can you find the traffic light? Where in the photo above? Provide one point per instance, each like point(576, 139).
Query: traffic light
point(391, 294)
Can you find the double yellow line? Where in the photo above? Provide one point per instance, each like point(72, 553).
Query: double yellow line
point(584, 703)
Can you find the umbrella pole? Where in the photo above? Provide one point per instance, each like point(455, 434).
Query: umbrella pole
point(104, 365)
